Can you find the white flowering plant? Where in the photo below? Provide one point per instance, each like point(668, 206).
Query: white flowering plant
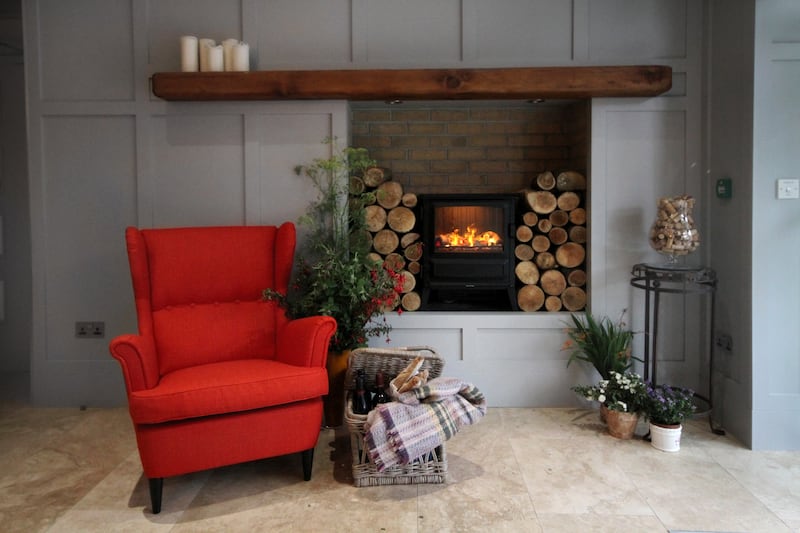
point(624, 392)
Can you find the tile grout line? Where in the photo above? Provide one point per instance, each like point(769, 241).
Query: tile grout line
point(519, 468)
point(747, 489)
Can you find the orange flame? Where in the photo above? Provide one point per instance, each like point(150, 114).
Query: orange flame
point(470, 238)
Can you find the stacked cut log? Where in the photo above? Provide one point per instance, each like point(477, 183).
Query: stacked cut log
point(551, 244)
point(390, 220)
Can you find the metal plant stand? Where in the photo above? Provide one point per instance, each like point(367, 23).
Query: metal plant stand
point(674, 279)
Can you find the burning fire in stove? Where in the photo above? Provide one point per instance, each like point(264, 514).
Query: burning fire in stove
point(468, 240)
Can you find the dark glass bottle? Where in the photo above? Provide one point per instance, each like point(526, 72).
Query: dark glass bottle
point(360, 402)
point(380, 391)
point(369, 392)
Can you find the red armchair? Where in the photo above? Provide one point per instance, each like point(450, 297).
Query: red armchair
point(216, 375)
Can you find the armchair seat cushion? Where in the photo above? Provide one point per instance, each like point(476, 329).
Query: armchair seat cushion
point(226, 387)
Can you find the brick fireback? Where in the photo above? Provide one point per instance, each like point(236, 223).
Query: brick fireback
point(472, 147)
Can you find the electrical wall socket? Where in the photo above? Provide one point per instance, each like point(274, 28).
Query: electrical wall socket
point(90, 330)
point(724, 342)
point(788, 188)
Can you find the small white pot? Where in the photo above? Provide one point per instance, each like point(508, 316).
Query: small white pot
point(666, 439)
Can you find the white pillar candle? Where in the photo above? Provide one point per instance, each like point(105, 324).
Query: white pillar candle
point(205, 44)
point(216, 58)
point(241, 57)
point(189, 53)
point(227, 48)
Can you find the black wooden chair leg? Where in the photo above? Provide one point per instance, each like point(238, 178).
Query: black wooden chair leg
point(156, 488)
point(308, 460)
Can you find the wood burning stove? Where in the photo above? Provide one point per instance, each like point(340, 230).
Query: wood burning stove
point(468, 260)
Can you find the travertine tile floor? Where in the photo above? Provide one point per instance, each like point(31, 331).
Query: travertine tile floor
point(518, 470)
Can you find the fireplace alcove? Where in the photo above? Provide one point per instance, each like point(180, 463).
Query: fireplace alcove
point(476, 151)
point(489, 156)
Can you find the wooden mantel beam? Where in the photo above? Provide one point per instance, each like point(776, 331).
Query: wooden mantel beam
point(416, 84)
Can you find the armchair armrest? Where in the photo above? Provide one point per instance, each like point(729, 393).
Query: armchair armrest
point(137, 357)
point(304, 341)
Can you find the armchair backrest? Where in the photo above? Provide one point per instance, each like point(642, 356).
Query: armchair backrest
point(199, 290)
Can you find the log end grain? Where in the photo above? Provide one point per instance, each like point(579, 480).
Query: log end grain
point(567, 201)
point(574, 299)
point(389, 194)
point(577, 278)
point(409, 199)
point(401, 219)
point(523, 252)
point(530, 218)
point(374, 176)
point(570, 181)
point(570, 254)
point(411, 301)
point(524, 233)
point(530, 298)
point(553, 304)
point(545, 181)
point(553, 282)
point(527, 272)
point(541, 202)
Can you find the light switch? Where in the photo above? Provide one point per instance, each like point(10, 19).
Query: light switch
point(724, 188)
point(788, 188)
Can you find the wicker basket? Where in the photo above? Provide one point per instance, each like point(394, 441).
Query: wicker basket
point(430, 468)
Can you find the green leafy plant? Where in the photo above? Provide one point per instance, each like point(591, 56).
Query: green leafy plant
point(335, 219)
point(624, 392)
point(334, 275)
point(668, 406)
point(602, 343)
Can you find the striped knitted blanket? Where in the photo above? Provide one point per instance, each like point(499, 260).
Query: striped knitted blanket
point(420, 420)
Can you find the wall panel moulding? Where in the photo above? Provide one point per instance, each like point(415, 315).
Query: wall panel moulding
point(416, 84)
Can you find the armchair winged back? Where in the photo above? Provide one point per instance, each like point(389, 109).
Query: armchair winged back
point(217, 375)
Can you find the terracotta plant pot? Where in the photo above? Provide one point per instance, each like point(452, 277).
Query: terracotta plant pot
point(621, 425)
point(333, 403)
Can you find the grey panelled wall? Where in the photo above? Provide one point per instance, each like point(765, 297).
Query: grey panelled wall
point(15, 264)
point(754, 131)
point(640, 149)
point(776, 228)
point(104, 149)
point(105, 153)
point(731, 155)
point(754, 128)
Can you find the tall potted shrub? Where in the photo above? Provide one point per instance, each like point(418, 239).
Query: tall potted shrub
point(334, 275)
point(600, 342)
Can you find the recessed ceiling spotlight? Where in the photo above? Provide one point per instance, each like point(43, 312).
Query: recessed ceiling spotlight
point(537, 101)
point(394, 102)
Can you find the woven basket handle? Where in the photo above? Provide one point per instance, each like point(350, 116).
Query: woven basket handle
point(420, 348)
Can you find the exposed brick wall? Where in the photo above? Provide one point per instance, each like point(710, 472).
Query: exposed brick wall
point(472, 147)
